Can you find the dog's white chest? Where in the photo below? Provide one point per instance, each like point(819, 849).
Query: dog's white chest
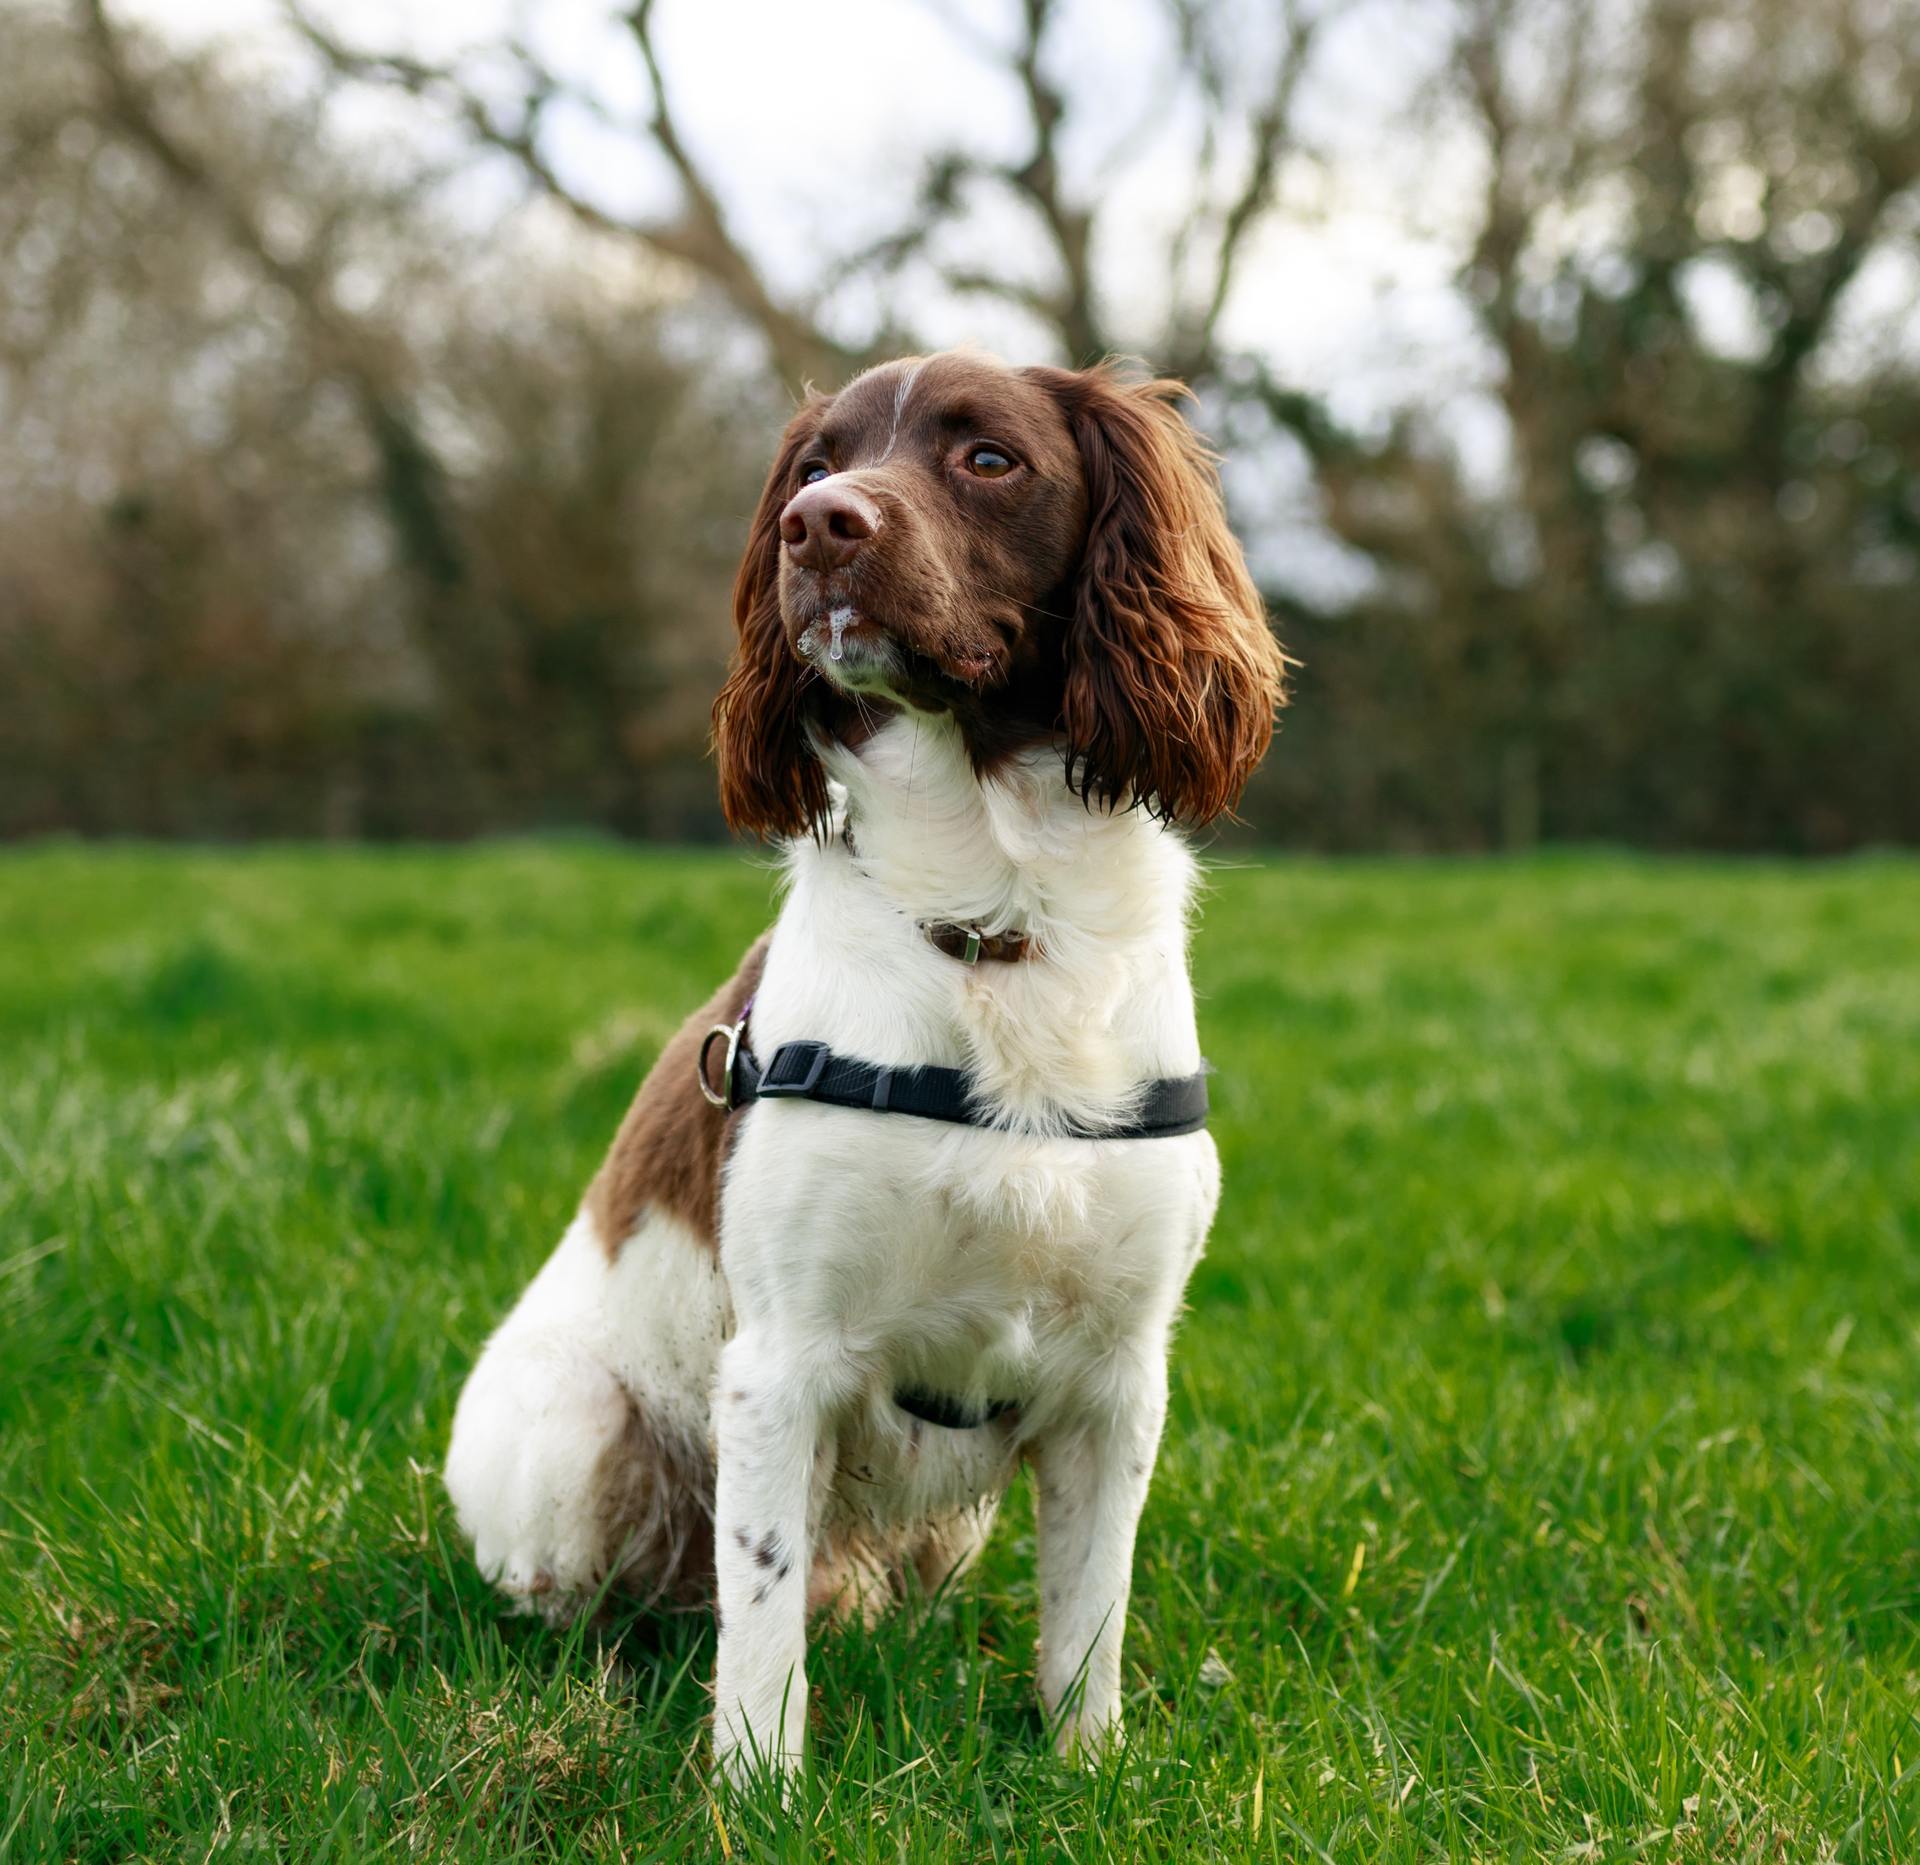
point(987, 1266)
point(980, 1274)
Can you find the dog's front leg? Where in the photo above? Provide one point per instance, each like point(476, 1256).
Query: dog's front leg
point(1092, 1479)
point(769, 1432)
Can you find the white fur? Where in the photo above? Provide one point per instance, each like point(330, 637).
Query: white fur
point(908, 377)
point(590, 1342)
point(861, 1252)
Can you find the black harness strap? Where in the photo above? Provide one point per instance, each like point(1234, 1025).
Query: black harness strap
point(810, 1071)
point(950, 1414)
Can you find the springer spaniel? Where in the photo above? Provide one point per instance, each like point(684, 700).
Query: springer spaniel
point(913, 1199)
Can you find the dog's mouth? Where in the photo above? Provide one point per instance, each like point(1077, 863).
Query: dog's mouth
point(852, 649)
point(847, 647)
point(827, 635)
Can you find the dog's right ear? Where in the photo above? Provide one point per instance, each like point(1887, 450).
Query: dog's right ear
point(1173, 674)
point(770, 781)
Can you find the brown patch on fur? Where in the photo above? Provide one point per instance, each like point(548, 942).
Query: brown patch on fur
point(859, 1574)
point(672, 1144)
point(659, 1502)
point(854, 1579)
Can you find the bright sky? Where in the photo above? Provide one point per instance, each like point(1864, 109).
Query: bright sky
point(812, 120)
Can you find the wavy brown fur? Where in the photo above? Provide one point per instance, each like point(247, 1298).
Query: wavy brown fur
point(672, 1144)
point(770, 782)
point(1173, 676)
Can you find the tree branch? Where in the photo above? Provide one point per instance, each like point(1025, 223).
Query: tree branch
point(1036, 299)
point(1272, 124)
point(703, 240)
point(1038, 179)
point(413, 478)
point(698, 238)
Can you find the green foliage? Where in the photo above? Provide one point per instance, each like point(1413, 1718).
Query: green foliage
point(1545, 1451)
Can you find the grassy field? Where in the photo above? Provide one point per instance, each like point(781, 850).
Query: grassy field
point(1543, 1477)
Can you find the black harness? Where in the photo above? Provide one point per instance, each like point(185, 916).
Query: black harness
point(810, 1071)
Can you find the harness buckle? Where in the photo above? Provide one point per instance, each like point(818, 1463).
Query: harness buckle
point(794, 1071)
point(731, 1031)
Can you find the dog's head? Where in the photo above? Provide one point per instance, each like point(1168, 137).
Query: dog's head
point(1040, 552)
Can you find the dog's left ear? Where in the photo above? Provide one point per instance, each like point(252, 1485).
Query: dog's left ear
point(770, 781)
point(1173, 675)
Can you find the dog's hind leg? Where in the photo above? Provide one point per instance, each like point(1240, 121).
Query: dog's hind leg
point(539, 1465)
point(562, 1473)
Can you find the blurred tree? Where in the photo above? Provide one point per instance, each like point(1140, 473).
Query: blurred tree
point(301, 456)
point(1698, 574)
point(1690, 610)
point(1239, 69)
point(320, 511)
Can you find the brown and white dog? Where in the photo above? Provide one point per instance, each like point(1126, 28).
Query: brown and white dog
point(995, 640)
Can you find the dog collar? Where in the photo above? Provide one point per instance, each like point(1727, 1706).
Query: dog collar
point(970, 945)
point(957, 940)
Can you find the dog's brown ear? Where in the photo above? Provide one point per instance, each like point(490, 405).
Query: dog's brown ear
point(1173, 675)
point(770, 781)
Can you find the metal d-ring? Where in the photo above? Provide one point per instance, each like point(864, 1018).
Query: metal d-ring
point(731, 1031)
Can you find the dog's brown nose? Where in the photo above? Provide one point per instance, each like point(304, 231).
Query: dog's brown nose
point(825, 524)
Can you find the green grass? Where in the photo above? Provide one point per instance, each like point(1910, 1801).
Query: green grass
point(1544, 1462)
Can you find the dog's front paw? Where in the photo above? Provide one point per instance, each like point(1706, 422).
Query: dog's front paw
point(744, 1764)
point(1088, 1741)
point(1085, 1721)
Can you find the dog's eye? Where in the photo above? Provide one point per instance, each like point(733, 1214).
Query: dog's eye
point(988, 463)
point(811, 475)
